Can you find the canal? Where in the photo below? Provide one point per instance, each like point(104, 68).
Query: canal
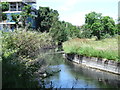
point(73, 75)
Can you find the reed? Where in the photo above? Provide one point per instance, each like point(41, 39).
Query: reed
point(106, 48)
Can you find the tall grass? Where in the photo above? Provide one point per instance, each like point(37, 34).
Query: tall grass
point(106, 48)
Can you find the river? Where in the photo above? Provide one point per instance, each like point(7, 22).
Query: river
point(73, 75)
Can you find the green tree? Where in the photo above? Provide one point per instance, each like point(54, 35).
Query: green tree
point(4, 6)
point(92, 17)
point(46, 18)
point(25, 14)
point(109, 25)
point(16, 18)
point(99, 25)
point(72, 31)
point(118, 26)
point(62, 31)
point(58, 32)
point(97, 28)
point(86, 31)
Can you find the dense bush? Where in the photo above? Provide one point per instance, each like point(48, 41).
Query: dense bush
point(20, 49)
point(26, 42)
point(58, 32)
point(4, 16)
point(72, 31)
point(85, 34)
point(63, 31)
point(5, 6)
point(118, 27)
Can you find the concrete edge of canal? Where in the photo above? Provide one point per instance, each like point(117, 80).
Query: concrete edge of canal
point(96, 63)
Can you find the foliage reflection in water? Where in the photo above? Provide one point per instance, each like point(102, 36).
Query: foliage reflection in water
point(77, 76)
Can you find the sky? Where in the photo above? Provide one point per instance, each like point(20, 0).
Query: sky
point(74, 11)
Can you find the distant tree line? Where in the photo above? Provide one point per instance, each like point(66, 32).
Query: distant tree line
point(95, 25)
point(48, 21)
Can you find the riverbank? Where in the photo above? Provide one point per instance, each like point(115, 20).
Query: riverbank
point(106, 48)
point(96, 63)
point(73, 75)
point(101, 55)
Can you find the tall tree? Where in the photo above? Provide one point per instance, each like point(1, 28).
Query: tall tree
point(46, 18)
point(25, 14)
point(109, 25)
point(100, 25)
point(92, 17)
point(97, 28)
point(58, 32)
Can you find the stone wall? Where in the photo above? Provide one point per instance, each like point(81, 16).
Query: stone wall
point(97, 63)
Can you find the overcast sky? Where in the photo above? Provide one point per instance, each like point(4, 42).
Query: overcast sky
point(74, 11)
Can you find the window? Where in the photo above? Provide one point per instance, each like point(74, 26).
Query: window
point(12, 6)
point(19, 6)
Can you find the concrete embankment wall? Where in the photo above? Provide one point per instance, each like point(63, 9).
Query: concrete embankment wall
point(97, 63)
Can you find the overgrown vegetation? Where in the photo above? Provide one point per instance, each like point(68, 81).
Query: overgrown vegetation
point(4, 6)
point(101, 27)
point(48, 21)
point(106, 48)
point(20, 50)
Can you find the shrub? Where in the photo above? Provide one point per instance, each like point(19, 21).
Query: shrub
point(20, 49)
point(26, 42)
point(86, 34)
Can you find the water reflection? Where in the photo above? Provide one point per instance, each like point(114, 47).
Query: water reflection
point(77, 76)
point(101, 78)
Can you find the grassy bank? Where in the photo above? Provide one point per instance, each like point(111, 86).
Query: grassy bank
point(106, 48)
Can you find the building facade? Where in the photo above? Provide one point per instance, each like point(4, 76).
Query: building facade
point(15, 7)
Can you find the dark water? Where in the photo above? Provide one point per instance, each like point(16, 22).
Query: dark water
point(77, 76)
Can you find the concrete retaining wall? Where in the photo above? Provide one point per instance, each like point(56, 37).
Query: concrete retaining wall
point(97, 63)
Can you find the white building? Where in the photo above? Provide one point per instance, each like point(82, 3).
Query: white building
point(15, 6)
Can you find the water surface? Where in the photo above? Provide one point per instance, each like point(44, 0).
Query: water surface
point(76, 76)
